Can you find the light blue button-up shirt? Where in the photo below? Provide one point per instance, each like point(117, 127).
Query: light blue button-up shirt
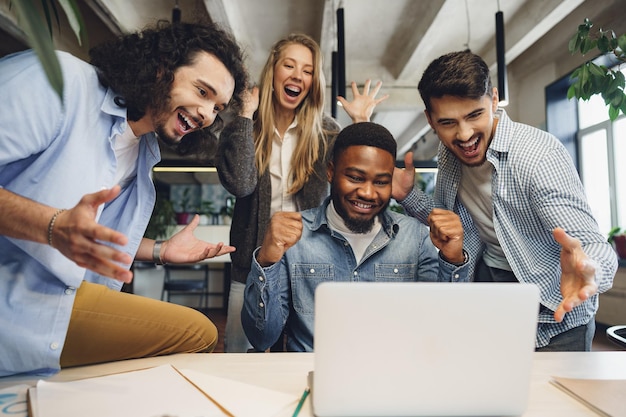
point(535, 189)
point(281, 296)
point(55, 153)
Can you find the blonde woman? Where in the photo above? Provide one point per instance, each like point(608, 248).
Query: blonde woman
point(273, 155)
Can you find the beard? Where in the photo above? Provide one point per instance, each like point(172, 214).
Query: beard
point(167, 139)
point(355, 225)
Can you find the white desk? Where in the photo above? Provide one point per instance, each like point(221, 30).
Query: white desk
point(287, 372)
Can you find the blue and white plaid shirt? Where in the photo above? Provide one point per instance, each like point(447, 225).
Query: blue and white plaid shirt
point(535, 188)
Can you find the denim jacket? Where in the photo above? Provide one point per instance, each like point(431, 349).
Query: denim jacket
point(281, 296)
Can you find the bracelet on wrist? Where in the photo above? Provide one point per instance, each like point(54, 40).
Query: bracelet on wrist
point(51, 225)
point(156, 253)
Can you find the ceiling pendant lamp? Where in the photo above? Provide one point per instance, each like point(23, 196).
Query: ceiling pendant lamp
point(500, 52)
point(341, 54)
point(176, 13)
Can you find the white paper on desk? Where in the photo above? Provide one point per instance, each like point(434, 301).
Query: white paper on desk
point(154, 392)
point(241, 399)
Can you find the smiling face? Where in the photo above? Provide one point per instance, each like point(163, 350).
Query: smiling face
point(293, 75)
point(465, 126)
point(360, 181)
point(199, 92)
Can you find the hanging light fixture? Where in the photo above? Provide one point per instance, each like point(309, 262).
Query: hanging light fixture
point(500, 52)
point(341, 55)
point(176, 13)
point(333, 85)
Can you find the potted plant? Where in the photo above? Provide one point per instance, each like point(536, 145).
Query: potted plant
point(591, 79)
point(206, 212)
point(162, 221)
point(617, 238)
point(185, 208)
point(227, 210)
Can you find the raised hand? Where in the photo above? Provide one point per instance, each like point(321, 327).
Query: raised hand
point(250, 102)
point(78, 236)
point(578, 273)
point(362, 106)
point(284, 230)
point(403, 178)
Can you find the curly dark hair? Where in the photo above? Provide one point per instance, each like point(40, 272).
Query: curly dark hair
point(140, 68)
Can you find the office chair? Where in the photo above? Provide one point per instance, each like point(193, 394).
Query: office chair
point(186, 286)
point(617, 335)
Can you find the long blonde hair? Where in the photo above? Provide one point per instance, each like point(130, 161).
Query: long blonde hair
point(312, 138)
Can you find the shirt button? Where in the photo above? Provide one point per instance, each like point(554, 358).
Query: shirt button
point(54, 345)
point(261, 305)
point(355, 273)
point(395, 270)
point(345, 243)
point(69, 290)
point(312, 270)
point(261, 278)
point(456, 276)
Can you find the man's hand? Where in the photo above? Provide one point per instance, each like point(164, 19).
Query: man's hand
point(578, 274)
point(184, 247)
point(362, 106)
point(77, 236)
point(284, 231)
point(446, 232)
point(403, 178)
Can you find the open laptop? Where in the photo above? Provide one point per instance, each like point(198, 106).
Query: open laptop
point(423, 349)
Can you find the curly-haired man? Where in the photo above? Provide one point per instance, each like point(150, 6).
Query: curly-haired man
point(76, 194)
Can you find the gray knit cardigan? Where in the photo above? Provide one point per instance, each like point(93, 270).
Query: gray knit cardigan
point(238, 174)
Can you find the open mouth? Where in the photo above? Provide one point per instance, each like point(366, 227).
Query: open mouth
point(362, 207)
point(292, 91)
point(186, 123)
point(470, 147)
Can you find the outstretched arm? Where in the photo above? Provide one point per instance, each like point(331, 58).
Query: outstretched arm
point(578, 273)
point(362, 106)
point(183, 247)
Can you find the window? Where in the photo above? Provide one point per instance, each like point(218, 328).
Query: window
point(601, 144)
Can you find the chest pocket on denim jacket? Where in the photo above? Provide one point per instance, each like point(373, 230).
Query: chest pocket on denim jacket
point(395, 272)
point(305, 278)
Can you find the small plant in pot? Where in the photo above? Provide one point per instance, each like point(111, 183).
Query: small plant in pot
point(185, 208)
point(227, 210)
point(162, 221)
point(206, 212)
point(617, 238)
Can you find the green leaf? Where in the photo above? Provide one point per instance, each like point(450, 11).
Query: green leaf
point(572, 46)
point(603, 45)
point(587, 45)
point(41, 42)
point(597, 70)
point(75, 19)
point(571, 92)
point(613, 113)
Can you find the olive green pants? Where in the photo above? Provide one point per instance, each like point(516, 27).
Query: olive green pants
point(107, 325)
